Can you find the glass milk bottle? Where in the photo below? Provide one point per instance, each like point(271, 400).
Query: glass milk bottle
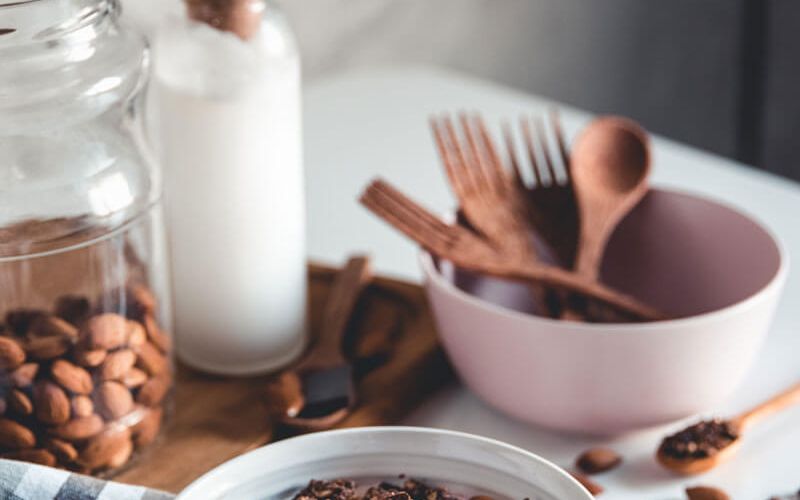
point(226, 121)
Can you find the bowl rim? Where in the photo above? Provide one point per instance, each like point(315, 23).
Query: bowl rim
point(434, 276)
point(188, 492)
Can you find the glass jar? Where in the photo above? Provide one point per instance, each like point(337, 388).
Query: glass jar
point(85, 357)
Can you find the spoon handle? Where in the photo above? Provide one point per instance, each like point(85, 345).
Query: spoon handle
point(785, 399)
point(345, 291)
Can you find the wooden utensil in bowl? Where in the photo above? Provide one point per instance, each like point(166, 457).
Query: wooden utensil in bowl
point(469, 251)
point(491, 203)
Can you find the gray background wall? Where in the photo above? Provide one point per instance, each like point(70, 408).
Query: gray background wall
point(717, 74)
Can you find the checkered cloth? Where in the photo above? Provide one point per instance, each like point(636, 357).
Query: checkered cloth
point(24, 481)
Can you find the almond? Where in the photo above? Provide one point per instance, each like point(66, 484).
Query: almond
point(106, 331)
point(82, 406)
point(142, 298)
point(72, 378)
point(156, 334)
point(79, 428)
point(52, 403)
point(43, 348)
point(117, 364)
point(19, 402)
point(101, 448)
point(706, 493)
point(153, 391)
point(136, 334)
point(20, 319)
point(15, 436)
point(52, 326)
point(11, 354)
point(36, 456)
point(121, 456)
point(113, 400)
point(146, 430)
point(63, 450)
point(134, 378)
point(24, 375)
point(596, 460)
point(89, 357)
point(593, 488)
point(72, 308)
point(151, 360)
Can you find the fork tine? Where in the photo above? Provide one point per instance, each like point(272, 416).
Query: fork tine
point(555, 121)
point(543, 144)
point(451, 167)
point(531, 147)
point(512, 155)
point(476, 163)
point(495, 163)
point(467, 174)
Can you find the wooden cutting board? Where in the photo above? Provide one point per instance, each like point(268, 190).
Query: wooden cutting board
point(215, 419)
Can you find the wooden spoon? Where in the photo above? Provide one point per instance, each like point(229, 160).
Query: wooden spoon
point(318, 392)
point(610, 167)
point(694, 465)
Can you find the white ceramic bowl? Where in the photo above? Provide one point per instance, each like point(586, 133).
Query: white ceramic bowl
point(716, 269)
point(278, 470)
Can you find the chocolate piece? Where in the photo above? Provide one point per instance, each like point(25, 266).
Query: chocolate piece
point(338, 489)
point(383, 493)
point(421, 491)
point(701, 440)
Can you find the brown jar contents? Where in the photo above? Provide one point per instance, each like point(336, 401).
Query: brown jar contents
point(72, 390)
point(701, 440)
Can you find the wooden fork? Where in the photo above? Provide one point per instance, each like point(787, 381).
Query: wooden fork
point(493, 205)
point(551, 202)
point(469, 251)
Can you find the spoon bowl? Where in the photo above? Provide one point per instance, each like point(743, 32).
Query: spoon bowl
point(691, 466)
point(611, 157)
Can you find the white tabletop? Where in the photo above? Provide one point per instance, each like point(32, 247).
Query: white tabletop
point(360, 125)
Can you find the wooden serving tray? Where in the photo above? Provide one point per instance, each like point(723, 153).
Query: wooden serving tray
point(218, 418)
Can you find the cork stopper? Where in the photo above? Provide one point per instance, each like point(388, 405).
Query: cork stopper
point(241, 17)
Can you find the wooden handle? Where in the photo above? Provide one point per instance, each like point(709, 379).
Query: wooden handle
point(560, 279)
point(786, 398)
point(347, 286)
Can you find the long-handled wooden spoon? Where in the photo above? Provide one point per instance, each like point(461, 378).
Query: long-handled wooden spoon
point(705, 445)
point(610, 167)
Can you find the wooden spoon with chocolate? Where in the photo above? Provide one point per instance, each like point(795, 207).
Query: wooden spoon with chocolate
point(318, 392)
point(704, 445)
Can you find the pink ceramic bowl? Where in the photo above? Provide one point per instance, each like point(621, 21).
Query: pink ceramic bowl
point(716, 269)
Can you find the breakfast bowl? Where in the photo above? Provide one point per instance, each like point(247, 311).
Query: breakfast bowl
point(467, 465)
point(715, 271)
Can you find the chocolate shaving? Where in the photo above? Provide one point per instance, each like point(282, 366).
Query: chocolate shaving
point(345, 489)
point(701, 440)
point(338, 489)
